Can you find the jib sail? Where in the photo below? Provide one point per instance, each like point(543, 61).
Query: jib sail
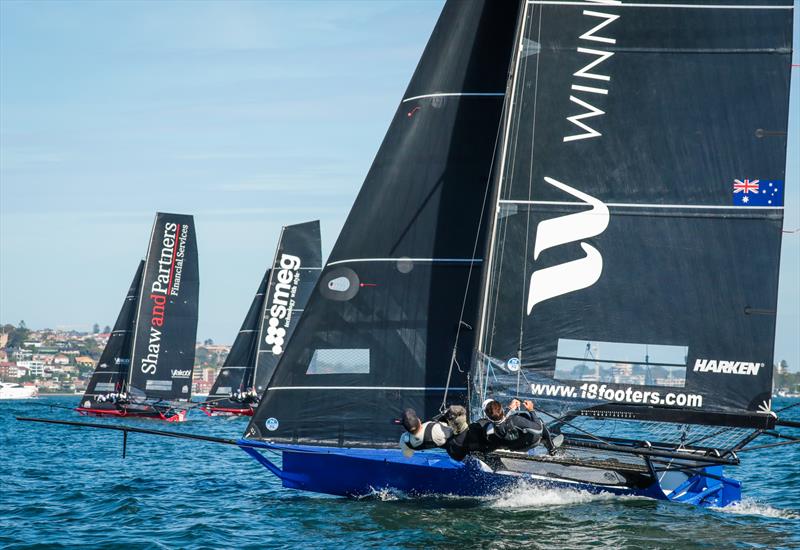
point(379, 329)
point(634, 251)
point(166, 326)
point(294, 274)
point(261, 340)
point(111, 371)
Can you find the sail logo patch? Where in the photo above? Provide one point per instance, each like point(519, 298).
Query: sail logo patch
point(577, 274)
point(753, 192)
point(727, 367)
point(166, 283)
point(280, 311)
point(592, 82)
point(272, 424)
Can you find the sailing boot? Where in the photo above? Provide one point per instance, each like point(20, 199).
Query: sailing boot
point(551, 442)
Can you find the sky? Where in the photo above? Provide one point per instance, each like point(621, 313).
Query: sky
point(248, 115)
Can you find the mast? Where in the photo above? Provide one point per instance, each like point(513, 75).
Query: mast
point(166, 325)
point(495, 195)
point(379, 330)
point(639, 155)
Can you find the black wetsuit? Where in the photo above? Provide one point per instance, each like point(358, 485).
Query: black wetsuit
point(474, 438)
point(520, 430)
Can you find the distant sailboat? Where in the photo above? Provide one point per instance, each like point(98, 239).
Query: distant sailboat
point(270, 322)
point(614, 209)
point(146, 367)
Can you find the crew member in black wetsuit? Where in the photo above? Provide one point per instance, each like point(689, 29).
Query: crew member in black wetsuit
point(466, 438)
point(518, 430)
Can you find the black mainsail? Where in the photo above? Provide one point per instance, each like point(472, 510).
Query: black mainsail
point(162, 359)
point(634, 251)
point(295, 270)
point(111, 372)
point(270, 321)
point(379, 330)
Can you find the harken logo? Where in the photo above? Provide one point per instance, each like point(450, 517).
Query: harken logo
point(727, 367)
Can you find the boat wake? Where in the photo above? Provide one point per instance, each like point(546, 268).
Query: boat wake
point(527, 495)
point(752, 507)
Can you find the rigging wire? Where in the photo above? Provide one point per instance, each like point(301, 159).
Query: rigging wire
point(561, 420)
point(787, 407)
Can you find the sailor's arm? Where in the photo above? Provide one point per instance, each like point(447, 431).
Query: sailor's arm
point(405, 445)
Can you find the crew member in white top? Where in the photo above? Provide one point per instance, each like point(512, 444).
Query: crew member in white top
point(422, 435)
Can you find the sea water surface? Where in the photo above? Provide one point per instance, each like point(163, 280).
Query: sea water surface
point(64, 487)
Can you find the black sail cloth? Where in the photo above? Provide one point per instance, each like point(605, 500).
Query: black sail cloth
point(378, 332)
point(295, 271)
point(623, 255)
point(111, 372)
point(166, 325)
point(274, 313)
point(237, 370)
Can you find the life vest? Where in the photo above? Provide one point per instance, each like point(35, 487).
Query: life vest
point(427, 438)
point(511, 433)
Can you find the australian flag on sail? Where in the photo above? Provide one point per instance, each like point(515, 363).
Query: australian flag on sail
point(753, 192)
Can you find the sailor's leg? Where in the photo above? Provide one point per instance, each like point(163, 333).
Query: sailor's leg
point(550, 441)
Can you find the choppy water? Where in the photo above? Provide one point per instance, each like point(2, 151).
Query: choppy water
point(69, 488)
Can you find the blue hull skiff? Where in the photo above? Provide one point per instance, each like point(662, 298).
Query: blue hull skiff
point(356, 472)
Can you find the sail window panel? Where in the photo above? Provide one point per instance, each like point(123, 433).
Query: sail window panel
point(632, 374)
point(618, 363)
point(339, 361)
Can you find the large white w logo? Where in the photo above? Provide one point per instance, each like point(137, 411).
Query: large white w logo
point(563, 278)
